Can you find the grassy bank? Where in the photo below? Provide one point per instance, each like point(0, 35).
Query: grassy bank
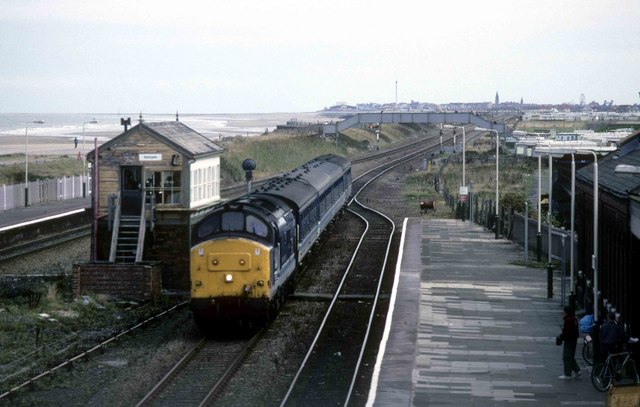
point(276, 153)
point(12, 167)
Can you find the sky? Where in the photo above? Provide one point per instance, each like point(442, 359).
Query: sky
point(253, 56)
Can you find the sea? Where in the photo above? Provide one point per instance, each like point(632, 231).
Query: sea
point(106, 125)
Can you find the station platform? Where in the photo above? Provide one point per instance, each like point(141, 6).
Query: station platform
point(47, 210)
point(470, 327)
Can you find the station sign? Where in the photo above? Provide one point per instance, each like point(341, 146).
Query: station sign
point(464, 194)
point(150, 157)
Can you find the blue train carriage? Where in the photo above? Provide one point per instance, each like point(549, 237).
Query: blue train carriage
point(245, 252)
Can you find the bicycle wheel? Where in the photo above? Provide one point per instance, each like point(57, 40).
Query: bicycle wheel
point(601, 376)
point(587, 353)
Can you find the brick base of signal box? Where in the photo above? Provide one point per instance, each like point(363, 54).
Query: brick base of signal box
point(141, 282)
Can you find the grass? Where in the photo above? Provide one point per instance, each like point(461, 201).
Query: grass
point(12, 167)
point(276, 153)
point(41, 323)
point(515, 179)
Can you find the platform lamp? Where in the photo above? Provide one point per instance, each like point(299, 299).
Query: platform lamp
point(497, 175)
point(594, 258)
point(551, 153)
point(539, 232)
point(26, 160)
point(84, 159)
point(464, 183)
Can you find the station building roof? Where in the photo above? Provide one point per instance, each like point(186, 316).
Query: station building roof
point(628, 152)
point(184, 139)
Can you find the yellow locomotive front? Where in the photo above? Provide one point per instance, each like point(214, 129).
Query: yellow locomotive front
point(230, 279)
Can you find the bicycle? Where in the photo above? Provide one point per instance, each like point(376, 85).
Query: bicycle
point(587, 349)
point(603, 374)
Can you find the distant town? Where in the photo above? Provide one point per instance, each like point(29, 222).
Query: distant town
point(528, 111)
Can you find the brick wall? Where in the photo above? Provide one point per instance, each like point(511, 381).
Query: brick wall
point(142, 282)
point(172, 249)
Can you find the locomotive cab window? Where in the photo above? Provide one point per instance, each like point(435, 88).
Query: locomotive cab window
point(232, 221)
point(256, 226)
point(209, 227)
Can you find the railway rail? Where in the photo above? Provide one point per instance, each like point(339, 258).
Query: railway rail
point(330, 371)
point(43, 243)
point(97, 348)
point(198, 377)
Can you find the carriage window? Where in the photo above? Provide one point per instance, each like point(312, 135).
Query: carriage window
point(256, 226)
point(232, 221)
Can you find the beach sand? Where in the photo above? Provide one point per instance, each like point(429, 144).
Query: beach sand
point(46, 145)
point(56, 146)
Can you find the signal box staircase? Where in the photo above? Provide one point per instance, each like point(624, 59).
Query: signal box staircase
point(128, 232)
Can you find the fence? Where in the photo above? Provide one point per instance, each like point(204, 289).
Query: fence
point(46, 190)
point(512, 226)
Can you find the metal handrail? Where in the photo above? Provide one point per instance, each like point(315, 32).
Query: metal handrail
point(115, 231)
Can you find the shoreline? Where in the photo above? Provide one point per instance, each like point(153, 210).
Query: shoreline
point(47, 145)
point(234, 125)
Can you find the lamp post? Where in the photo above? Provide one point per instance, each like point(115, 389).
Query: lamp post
point(550, 208)
point(464, 161)
point(497, 174)
point(464, 181)
point(572, 298)
point(26, 160)
point(539, 234)
point(594, 258)
point(84, 159)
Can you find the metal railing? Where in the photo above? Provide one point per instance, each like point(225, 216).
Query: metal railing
point(46, 190)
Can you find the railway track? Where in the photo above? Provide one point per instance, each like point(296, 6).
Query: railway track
point(44, 243)
point(330, 371)
point(198, 377)
point(100, 347)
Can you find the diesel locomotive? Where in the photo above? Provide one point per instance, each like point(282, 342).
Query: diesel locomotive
point(245, 252)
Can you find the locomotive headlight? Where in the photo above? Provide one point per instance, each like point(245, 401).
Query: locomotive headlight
point(242, 262)
point(197, 283)
point(228, 278)
point(260, 283)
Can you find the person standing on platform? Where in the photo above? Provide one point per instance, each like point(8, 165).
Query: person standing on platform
point(569, 336)
point(612, 336)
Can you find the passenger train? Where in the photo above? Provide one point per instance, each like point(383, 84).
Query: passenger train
point(245, 252)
